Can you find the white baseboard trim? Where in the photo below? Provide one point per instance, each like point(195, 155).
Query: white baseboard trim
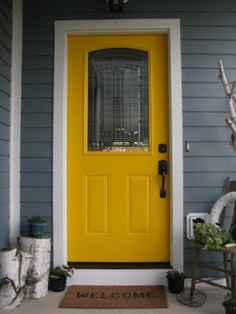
point(125, 277)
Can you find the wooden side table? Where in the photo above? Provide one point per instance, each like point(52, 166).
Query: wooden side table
point(227, 268)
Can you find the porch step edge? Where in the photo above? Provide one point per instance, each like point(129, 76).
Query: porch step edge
point(126, 277)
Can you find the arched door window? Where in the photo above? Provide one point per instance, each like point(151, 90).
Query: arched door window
point(118, 100)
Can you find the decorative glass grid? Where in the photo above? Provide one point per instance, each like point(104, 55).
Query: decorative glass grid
point(118, 100)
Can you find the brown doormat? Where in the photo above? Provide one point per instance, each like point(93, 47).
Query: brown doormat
point(114, 297)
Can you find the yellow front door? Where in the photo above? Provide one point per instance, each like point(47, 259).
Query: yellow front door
point(117, 134)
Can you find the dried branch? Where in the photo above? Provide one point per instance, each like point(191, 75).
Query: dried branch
point(231, 98)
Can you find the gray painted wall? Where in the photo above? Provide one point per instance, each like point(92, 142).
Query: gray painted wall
point(208, 33)
point(5, 77)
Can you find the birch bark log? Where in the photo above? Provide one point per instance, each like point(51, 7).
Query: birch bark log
point(37, 280)
point(14, 265)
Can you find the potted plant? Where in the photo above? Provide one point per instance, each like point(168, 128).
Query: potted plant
point(211, 236)
point(230, 303)
point(36, 226)
point(58, 277)
point(175, 281)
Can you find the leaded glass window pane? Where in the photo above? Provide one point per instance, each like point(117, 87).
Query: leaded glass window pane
point(118, 100)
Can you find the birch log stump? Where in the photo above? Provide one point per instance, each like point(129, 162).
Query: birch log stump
point(37, 280)
point(14, 265)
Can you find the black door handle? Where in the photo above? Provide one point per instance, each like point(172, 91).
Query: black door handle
point(162, 171)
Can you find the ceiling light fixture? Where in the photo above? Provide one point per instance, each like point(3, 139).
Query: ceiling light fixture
point(116, 5)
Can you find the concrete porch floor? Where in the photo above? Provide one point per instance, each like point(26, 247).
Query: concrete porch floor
point(50, 303)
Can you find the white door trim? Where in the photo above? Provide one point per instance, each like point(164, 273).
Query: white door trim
point(62, 29)
point(16, 62)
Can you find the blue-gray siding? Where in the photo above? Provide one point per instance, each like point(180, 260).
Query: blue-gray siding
point(5, 78)
point(208, 33)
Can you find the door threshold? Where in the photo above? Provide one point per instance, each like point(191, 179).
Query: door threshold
point(89, 265)
point(116, 277)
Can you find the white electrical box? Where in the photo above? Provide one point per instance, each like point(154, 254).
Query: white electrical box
point(189, 221)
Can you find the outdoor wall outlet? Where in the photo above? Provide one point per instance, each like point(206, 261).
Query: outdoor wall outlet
point(190, 218)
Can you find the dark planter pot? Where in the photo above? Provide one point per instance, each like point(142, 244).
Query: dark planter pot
point(229, 309)
point(36, 229)
point(56, 284)
point(175, 285)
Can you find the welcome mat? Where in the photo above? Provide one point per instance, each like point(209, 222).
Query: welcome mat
point(114, 297)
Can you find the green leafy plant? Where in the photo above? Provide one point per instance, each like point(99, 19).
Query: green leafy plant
point(174, 274)
point(38, 219)
point(211, 236)
point(230, 302)
point(62, 271)
point(175, 280)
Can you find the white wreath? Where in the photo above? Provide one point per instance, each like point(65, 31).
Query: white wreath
point(219, 206)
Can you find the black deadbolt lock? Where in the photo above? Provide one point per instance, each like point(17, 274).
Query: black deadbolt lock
point(162, 148)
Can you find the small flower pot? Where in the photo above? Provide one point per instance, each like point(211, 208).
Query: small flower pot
point(176, 285)
point(229, 308)
point(36, 229)
point(56, 284)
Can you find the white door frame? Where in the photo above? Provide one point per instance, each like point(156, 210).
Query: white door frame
point(16, 74)
point(62, 29)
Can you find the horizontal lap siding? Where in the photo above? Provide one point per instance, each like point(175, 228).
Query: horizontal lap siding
point(208, 33)
point(211, 159)
point(5, 77)
point(37, 121)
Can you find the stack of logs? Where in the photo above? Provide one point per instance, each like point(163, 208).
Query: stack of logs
point(24, 272)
